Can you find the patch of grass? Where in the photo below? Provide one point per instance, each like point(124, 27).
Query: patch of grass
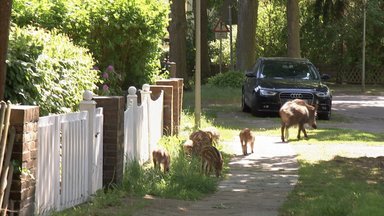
point(342, 186)
point(184, 181)
point(212, 95)
point(356, 89)
point(334, 136)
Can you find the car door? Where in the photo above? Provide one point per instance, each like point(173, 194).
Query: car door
point(250, 82)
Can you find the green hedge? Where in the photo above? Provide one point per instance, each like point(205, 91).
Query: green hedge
point(125, 34)
point(47, 69)
point(232, 79)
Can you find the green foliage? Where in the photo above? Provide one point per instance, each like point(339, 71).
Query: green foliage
point(271, 30)
point(48, 14)
point(125, 34)
point(128, 34)
point(46, 69)
point(232, 79)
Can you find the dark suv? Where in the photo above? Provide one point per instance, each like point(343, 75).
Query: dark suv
point(273, 81)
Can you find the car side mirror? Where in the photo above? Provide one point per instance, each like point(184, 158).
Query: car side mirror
point(325, 77)
point(250, 74)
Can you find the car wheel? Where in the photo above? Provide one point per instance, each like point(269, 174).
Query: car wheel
point(254, 108)
point(244, 106)
point(325, 116)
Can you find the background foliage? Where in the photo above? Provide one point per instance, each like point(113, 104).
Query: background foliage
point(125, 34)
point(47, 69)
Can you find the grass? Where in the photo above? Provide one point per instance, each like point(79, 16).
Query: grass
point(340, 186)
point(356, 89)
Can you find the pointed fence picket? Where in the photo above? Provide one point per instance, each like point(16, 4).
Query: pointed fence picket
point(143, 124)
point(70, 150)
point(70, 158)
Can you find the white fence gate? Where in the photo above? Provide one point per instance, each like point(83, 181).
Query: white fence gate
point(143, 124)
point(69, 158)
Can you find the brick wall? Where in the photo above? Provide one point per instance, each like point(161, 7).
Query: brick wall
point(113, 138)
point(177, 85)
point(25, 120)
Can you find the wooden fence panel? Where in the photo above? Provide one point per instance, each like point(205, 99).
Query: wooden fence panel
point(48, 173)
point(142, 125)
point(75, 179)
point(97, 176)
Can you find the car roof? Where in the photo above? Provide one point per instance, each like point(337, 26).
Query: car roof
point(284, 59)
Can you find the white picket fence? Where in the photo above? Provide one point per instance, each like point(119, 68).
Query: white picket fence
point(70, 159)
point(143, 124)
point(70, 149)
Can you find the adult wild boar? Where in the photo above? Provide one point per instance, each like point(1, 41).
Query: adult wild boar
point(297, 112)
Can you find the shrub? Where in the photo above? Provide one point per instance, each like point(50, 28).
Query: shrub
point(47, 69)
point(232, 79)
point(125, 34)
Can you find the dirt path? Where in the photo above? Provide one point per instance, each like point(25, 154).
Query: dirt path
point(256, 185)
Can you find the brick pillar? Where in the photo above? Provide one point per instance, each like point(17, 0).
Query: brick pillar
point(25, 120)
point(113, 140)
point(177, 84)
point(167, 106)
point(180, 90)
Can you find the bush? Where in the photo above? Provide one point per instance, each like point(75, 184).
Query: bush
point(125, 34)
point(128, 34)
point(46, 69)
point(232, 79)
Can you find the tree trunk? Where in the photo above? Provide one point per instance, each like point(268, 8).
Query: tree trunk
point(293, 23)
point(246, 34)
point(177, 38)
point(205, 60)
point(5, 16)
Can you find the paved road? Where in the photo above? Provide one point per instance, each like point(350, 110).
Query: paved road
point(360, 112)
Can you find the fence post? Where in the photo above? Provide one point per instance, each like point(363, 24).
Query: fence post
point(130, 128)
point(145, 101)
point(89, 105)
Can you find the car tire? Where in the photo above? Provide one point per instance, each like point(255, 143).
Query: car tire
point(325, 116)
point(244, 106)
point(254, 108)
